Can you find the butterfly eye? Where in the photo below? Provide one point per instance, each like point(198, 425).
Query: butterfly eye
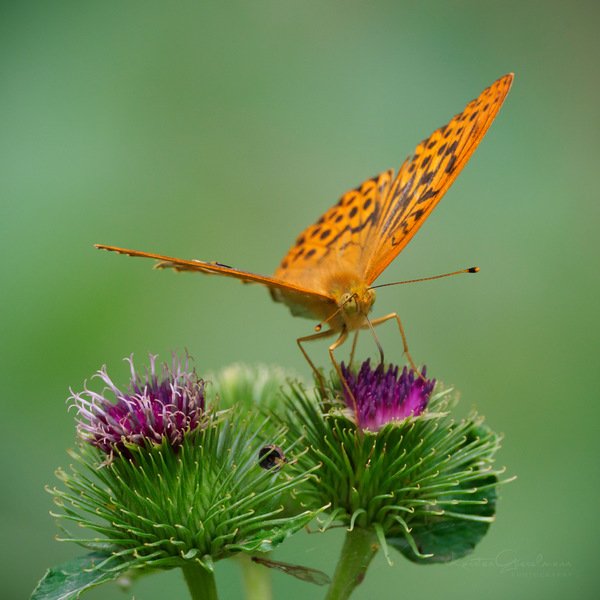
point(348, 303)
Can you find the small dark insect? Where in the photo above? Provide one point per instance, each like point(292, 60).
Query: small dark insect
point(305, 573)
point(271, 458)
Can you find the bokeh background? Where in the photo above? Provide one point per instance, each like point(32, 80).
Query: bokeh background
point(220, 130)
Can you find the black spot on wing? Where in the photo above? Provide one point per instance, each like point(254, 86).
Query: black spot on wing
point(427, 195)
point(451, 148)
point(426, 178)
point(348, 232)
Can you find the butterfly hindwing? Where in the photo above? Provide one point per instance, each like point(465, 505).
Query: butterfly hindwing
point(339, 238)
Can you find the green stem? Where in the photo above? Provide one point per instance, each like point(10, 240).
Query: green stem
point(257, 579)
point(200, 582)
point(360, 546)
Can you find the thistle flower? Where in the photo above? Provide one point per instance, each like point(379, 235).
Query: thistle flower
point(382, 397)
point(185, 485)
point(425, 485)
point(152, 409)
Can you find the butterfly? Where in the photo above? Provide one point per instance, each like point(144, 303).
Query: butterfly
point(328, 273)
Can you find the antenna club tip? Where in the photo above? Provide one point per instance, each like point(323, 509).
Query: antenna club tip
point(473, 270)
point(318, 327)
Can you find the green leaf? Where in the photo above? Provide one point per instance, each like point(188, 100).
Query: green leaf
point(71, 579)
point(267, 540)
point(450, 537)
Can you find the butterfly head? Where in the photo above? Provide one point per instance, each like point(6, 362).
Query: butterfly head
point(354, 300)
point(352, 303)
point(355, 303)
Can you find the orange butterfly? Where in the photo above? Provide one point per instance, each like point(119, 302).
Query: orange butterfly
point(327, 274)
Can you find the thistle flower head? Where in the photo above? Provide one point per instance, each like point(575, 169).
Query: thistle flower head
point(183, 484)
point(385, 396)
point(154, 407)
point(425, 485)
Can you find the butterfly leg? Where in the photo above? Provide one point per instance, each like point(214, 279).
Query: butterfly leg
point(309, 338)
point(343, 337)
point(353, 347)
point(317, 336)
point(408, 356)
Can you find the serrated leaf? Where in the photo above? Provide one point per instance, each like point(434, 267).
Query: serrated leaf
point(69, 580)
point(448, 539)
point(268, 540)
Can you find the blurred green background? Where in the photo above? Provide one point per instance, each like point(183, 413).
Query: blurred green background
point(219, 131)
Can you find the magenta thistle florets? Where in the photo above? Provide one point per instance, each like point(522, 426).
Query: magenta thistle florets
point(153, 409)
point(382, 397)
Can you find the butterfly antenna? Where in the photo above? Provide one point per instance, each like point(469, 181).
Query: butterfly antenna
point(471, 270)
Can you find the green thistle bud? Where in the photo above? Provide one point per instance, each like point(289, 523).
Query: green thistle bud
point(250, 386)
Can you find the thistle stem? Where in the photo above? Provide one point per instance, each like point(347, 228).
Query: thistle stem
point(200, 582)
point(360, 546)
point(257, 579)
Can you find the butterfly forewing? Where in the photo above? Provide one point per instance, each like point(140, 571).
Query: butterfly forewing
point(424, 178)
point(312, 302)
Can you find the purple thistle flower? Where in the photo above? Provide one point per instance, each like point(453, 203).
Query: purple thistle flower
point(153, 409)
point(383, 397)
